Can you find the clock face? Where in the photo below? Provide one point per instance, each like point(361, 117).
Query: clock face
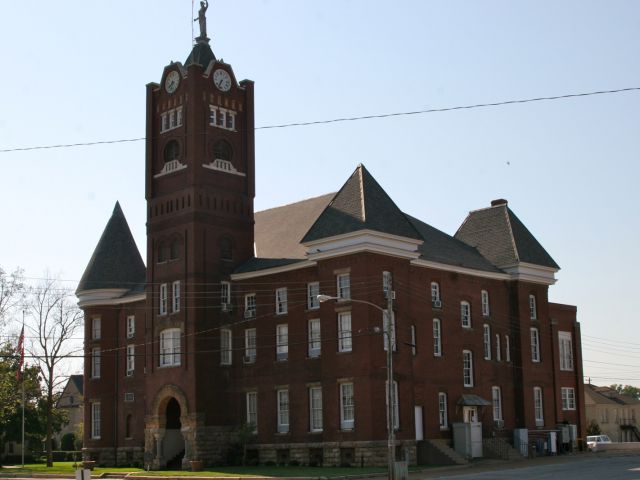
point(222, 80)
point(172, 82)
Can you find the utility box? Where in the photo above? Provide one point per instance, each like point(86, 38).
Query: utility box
point(401, 470)
point(521, 441)
point(467, 439)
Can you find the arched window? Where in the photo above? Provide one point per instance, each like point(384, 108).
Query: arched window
point(127, 426)
point(171, 151)
point(174, 249)
point(163, 251)
point(222, 151)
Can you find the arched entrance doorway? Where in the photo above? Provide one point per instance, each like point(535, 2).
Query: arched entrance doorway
point(173, 441)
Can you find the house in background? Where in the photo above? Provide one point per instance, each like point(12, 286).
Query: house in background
point(71, 400)
point(615, 413)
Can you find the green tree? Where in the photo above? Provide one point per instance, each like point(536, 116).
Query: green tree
point(593, 428)
point(627, 390)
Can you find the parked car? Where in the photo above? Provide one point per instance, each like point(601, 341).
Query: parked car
point(595, 442)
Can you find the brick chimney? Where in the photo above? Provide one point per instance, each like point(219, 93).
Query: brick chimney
point(499, 201)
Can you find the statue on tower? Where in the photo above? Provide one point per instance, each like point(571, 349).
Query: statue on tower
point(202, 19)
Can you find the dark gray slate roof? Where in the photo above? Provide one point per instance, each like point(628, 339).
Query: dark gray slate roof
point(502, 238)
point(116, 261)
point(442, 248)
point(361, 204)
point(201, 54)
point(78, 382)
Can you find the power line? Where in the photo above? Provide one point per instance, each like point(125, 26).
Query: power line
point(351, 119)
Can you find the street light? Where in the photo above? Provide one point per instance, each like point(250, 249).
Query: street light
point(391, 438)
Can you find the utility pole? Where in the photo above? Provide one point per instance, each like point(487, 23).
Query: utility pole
point(391, 440)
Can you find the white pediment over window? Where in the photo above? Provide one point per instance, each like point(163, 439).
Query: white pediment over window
point(170, 167)
point(223, 166)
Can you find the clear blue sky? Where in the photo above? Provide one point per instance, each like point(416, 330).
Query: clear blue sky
point(75, 71)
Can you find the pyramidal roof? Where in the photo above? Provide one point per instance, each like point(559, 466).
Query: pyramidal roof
point(502, 238)
point(201, 54)
point(116, 261)
point(361, 204)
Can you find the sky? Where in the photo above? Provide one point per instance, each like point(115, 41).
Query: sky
point(75, 72)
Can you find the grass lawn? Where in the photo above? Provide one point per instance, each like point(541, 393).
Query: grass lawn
point(261, 471)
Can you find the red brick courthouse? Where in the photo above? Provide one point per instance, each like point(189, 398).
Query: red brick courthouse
point(222, 327)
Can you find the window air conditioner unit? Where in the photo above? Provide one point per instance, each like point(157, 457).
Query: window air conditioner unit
point(249, 314)
point(282, 356)
point(390, 292)
point(436, 303)
point(128, 397)
point(248, 359)
point(226, 307)
point(498, 423)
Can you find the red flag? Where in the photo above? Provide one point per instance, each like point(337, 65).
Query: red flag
point(20, 351)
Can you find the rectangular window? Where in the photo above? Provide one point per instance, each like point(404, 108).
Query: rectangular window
point(507, 348)
point(442, 411)
point(131, 359)
point(344, 332)
point(498, 349)
point(315, 345)
point(95, 362)
point(131, 326)
point(225, 296)
point(414, 348)
point(282, 342)
point(435, 293)
point(176, 296)
point(535, 345)
point(533, 310)
point(467, 368)
point(96, 428)
point(250, 305)
point(496, 397)
point(226, 345)
point(486, 340)
point(163, 299)
point(165, 122)
point(172, 119)
point(96, 328)
point(212, 115)
point(231, 121)
point(385, 328)
point(568, 398)
point(485, 303)
point(465, 314)
point(170, 347)
point(313, 290)
point(222, 117)
point(315, 409)
point(538, 406)
point(437, 338)
point(281, 301)
point(250, 351)
point(566, 350)
point(344, 286)
point(387, 283)
point(129, 397)
point(347, 406)
point(283, 411)
point(395, 404)
point(179, 116)
point(252, 410)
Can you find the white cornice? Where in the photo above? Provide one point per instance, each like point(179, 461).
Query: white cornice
point(107, 296)
point(463, 270)
point(371, 238)
point(274, 270)
point(528, 272)
point(363, 247)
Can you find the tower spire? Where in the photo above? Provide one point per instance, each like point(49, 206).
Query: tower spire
point(202, 22)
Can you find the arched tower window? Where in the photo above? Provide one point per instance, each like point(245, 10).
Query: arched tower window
point(171, 151)
point(174, 249)
point(222, 151)
point(127, 426)
point(226, 248)
point(163, 251)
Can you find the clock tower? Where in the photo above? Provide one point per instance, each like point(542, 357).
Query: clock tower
point(199, 190)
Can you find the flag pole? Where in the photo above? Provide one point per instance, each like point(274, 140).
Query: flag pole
point(22, 379)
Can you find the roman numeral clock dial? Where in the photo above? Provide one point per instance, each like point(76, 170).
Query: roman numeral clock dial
point(222, 80)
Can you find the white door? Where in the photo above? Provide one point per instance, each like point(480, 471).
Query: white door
point(418, 420)
point(470, 414)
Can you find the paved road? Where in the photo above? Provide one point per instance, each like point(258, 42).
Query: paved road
point(580, 468)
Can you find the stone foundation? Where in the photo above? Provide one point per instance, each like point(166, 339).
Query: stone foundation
point(110, 457)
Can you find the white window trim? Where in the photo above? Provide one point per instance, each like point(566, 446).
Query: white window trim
point(538, 406)
point(282, 342)
point(315, 406)
point(507, 348)
point(175, 306)
point(535, 345)
point(467, 370)
point(131, 360)
point(435, 292)
point(252, 410)
point(162, 308)
point(486, 341)
point(347, 406)
point(465, 314)
point(498, 348)
point(314, 338)
point(533, 307)
point(96, 328)
point(226, 347)
point(250, 305)
point(343, 286)
point(170, 347)
point(250, 345)
point(443, 415)
point(96, 421)
point(437, 337)
point(345, 338)
point(485, 303)
point(281, 301)
point(568, 398)
point(283, 413)
point(565, 345)
point(225, 295)
point(131, 326)
point(96, 362)
point(496, 401)
point(313, 290)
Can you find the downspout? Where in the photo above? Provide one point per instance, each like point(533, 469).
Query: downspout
point(116, 396)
